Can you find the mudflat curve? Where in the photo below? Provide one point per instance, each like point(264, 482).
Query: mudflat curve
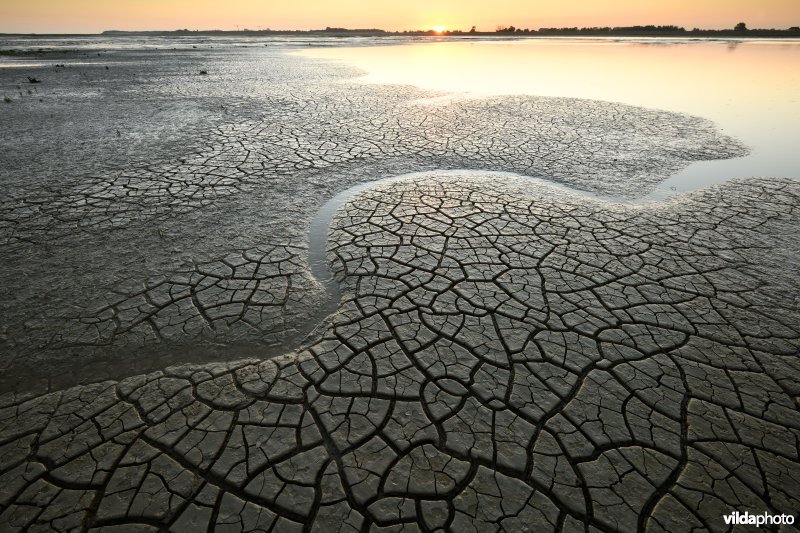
point(502, 358)
point(199, 254)
point(319, 229)
point(449, 348)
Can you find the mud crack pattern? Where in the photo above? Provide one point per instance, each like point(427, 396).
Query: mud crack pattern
point(177, 173)
point(505, 357)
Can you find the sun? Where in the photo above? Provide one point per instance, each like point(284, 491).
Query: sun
point(439, 29)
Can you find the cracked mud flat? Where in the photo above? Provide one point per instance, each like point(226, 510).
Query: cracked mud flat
point(505, 354)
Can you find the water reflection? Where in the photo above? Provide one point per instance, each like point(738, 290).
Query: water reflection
point(750, 88)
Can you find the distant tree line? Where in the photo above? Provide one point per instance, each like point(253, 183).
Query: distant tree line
point(512, 29)
point(739, 29)
point(650, 28)
point(363, 30)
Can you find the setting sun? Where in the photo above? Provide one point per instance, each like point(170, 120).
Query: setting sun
point(439, 29)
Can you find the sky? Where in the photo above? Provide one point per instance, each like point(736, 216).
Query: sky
point(92, 16)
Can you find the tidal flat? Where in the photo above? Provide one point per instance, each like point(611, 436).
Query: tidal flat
point(244, 290)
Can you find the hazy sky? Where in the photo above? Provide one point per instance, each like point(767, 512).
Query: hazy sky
point(61, 16)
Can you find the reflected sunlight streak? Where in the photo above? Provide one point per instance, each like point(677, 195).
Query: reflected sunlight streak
point(748, 88)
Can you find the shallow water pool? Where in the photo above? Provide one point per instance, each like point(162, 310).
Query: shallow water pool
point(749, 88)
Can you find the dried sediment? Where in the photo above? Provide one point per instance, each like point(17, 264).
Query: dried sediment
point(142, 218)
point(505, 357)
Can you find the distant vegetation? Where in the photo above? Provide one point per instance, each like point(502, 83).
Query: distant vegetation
point(738, 30)
point(619, 29)
point(345, 30)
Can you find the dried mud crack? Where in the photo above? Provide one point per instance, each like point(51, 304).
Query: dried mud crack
point(502, 359)
point(503, 354)
point(130, 263)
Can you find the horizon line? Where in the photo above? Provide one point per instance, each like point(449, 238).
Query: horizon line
point(500, 30)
